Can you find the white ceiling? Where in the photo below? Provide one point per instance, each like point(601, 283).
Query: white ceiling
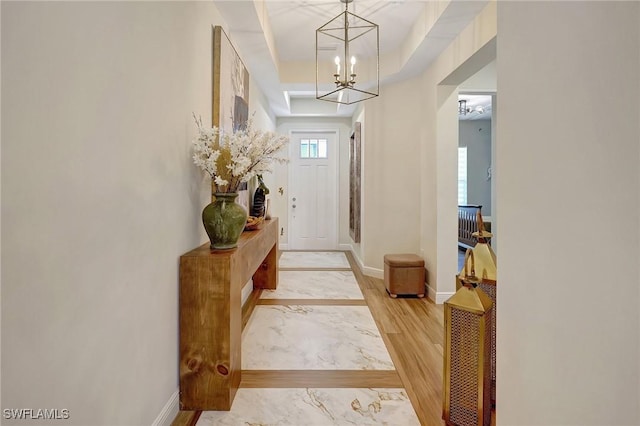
point(276, 39)
point(294, 22)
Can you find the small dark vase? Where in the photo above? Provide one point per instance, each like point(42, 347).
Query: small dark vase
point(257, 209)
point(224, 220)
point(259, 206)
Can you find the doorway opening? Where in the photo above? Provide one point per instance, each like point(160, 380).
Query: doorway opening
point(475, 112)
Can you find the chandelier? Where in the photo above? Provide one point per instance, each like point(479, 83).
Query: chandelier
point(464, 110)
point(462, 107)
point(347, 59)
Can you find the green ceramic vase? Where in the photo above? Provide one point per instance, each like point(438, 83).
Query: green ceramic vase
point(224, 220)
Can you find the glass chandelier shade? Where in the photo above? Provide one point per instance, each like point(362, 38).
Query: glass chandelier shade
point(347, 59)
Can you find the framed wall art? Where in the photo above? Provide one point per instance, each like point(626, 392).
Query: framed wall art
point(230, 109)
point(355, 175)
point(230, 84)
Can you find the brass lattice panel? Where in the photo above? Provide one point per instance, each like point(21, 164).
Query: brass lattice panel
point(464, 368)
point(491, 291)
point(488, 384)
point(467, 362)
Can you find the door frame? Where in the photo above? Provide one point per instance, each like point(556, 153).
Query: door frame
point(333, 156)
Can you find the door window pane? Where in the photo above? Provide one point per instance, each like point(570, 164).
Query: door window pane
point(313, 148)
point(304, 148)
point(322, 148)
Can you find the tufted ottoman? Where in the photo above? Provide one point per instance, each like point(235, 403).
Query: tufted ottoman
point(404, 274)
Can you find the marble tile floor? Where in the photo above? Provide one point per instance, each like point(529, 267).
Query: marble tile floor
point(305, 339)
point(315, 285)
point(313, 260)
point(311, 406)
point(313, 338)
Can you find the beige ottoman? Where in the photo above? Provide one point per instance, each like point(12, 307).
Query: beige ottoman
point(404, 274)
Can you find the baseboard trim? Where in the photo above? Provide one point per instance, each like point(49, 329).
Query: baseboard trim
point(283, 246)
point(169, 411)
point(355, 257)
point(347, 247)
point(373, 272)
point(366, 270)
point(438, 297)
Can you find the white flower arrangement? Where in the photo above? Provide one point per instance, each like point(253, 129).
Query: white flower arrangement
point(231, 159)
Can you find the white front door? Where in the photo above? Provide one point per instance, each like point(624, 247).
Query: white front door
point(313, 191)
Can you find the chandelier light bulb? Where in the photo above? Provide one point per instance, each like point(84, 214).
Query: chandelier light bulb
point(337, 61)
point(353, 64)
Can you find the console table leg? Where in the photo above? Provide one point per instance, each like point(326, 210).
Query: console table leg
point(266, 276)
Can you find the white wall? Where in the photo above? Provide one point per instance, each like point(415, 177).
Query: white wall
point(99, 200)
point(391, 176)
point(0, 216)
point(568, 325)
point(446, 202)
point(280, 206)
point(411, 152)
point(259, 110)
point(263, 118)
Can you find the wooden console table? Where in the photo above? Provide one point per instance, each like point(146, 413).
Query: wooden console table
point(211, 283)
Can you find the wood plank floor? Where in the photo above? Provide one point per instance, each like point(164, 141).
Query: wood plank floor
point(313, 302)
point(412, 330)
point(186, 418)
point(320, 379)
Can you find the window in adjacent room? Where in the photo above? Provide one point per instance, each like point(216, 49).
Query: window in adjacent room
point(462, 175)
